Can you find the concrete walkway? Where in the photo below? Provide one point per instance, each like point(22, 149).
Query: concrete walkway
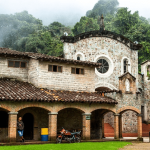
point(137, 146)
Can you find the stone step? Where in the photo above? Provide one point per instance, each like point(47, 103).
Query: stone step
point(109, 131)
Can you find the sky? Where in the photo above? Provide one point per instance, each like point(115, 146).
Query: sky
point(68, 12)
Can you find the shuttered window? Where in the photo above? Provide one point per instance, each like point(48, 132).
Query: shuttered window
point(77, 70)
point(54, 68)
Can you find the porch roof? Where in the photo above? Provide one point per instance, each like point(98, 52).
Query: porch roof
point(14, 90)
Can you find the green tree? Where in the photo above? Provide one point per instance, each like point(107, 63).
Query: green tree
point(103, 7)
point(86, 24)
point(124, 20)
point(14, 27)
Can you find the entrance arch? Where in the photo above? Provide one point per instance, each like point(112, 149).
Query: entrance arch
point(39, 119)
point(97, 123)
point(70, 119)
point(3, 125)
point(28, 121)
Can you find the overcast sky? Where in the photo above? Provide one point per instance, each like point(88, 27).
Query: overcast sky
point(65, 11)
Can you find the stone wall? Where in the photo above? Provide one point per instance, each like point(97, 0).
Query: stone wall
point(146, 92)
point(129, 121)
point(65, 80)
point(19, 73)
point(94, 47)
point(109, 118)
point(33, 72)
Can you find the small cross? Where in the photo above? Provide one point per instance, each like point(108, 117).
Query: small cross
point(127, 64)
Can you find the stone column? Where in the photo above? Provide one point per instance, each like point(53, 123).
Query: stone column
point(120, 126)
point(52, 126)
point(12, 126)
point(145, 113)
point(139, 125)
point(116, 126)
point(103, 127)
point(86, 129)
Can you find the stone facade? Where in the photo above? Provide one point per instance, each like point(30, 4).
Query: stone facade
point(89, 115)
point(19, 73)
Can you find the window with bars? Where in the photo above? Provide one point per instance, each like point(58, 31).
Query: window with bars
point(16, 64)
point(54, 68)
point(104, 66)
point(77, 70)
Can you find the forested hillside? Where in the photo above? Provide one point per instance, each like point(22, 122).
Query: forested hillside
point(24, 32)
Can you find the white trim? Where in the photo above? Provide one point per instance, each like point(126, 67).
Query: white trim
point(111, 66)
point(122, 65)
point(13, 113)
point(104, 84)
point(52, 113)
point(87, 114)
point(81, 55)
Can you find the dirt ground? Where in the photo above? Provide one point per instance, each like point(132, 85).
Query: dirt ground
point(137, 146)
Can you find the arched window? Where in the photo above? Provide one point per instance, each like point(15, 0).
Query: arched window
point(127, 85)
point(125, 65)
point(78, 58)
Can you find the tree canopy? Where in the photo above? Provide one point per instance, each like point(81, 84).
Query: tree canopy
point(24, 32)
point(103, 7)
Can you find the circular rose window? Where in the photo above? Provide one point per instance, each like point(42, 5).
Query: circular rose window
point(104, 66)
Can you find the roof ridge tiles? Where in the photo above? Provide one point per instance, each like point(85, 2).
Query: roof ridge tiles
point(9, 52)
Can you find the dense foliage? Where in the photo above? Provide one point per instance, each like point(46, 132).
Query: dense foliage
point(85, 24)
point(24, 32)
point(103, 7)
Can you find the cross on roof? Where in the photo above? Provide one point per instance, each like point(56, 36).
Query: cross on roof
point(127, 64)
point(102, 26)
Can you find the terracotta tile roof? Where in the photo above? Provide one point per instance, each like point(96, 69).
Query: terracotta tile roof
point(8, 52)
point(126, 74)
point(12, 90)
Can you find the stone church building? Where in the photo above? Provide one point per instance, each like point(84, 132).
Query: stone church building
point(96, 83)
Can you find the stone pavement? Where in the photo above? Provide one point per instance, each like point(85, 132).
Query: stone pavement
point(137, 146)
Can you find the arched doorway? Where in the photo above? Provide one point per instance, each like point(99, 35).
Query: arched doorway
point(97, 123)
point(128, 124)
point(70, 119)
point(3, 125)
point(28, 121)
point(109, 124)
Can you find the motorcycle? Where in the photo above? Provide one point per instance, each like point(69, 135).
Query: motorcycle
point(68, 136)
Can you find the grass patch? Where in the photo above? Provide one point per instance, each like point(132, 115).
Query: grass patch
point(70, 146)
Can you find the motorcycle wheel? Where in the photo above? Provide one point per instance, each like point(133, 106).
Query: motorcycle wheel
point(58, 140)
point(78, 139)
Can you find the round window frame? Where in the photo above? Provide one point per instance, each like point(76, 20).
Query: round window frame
point(111, 66)
point(103, 66)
